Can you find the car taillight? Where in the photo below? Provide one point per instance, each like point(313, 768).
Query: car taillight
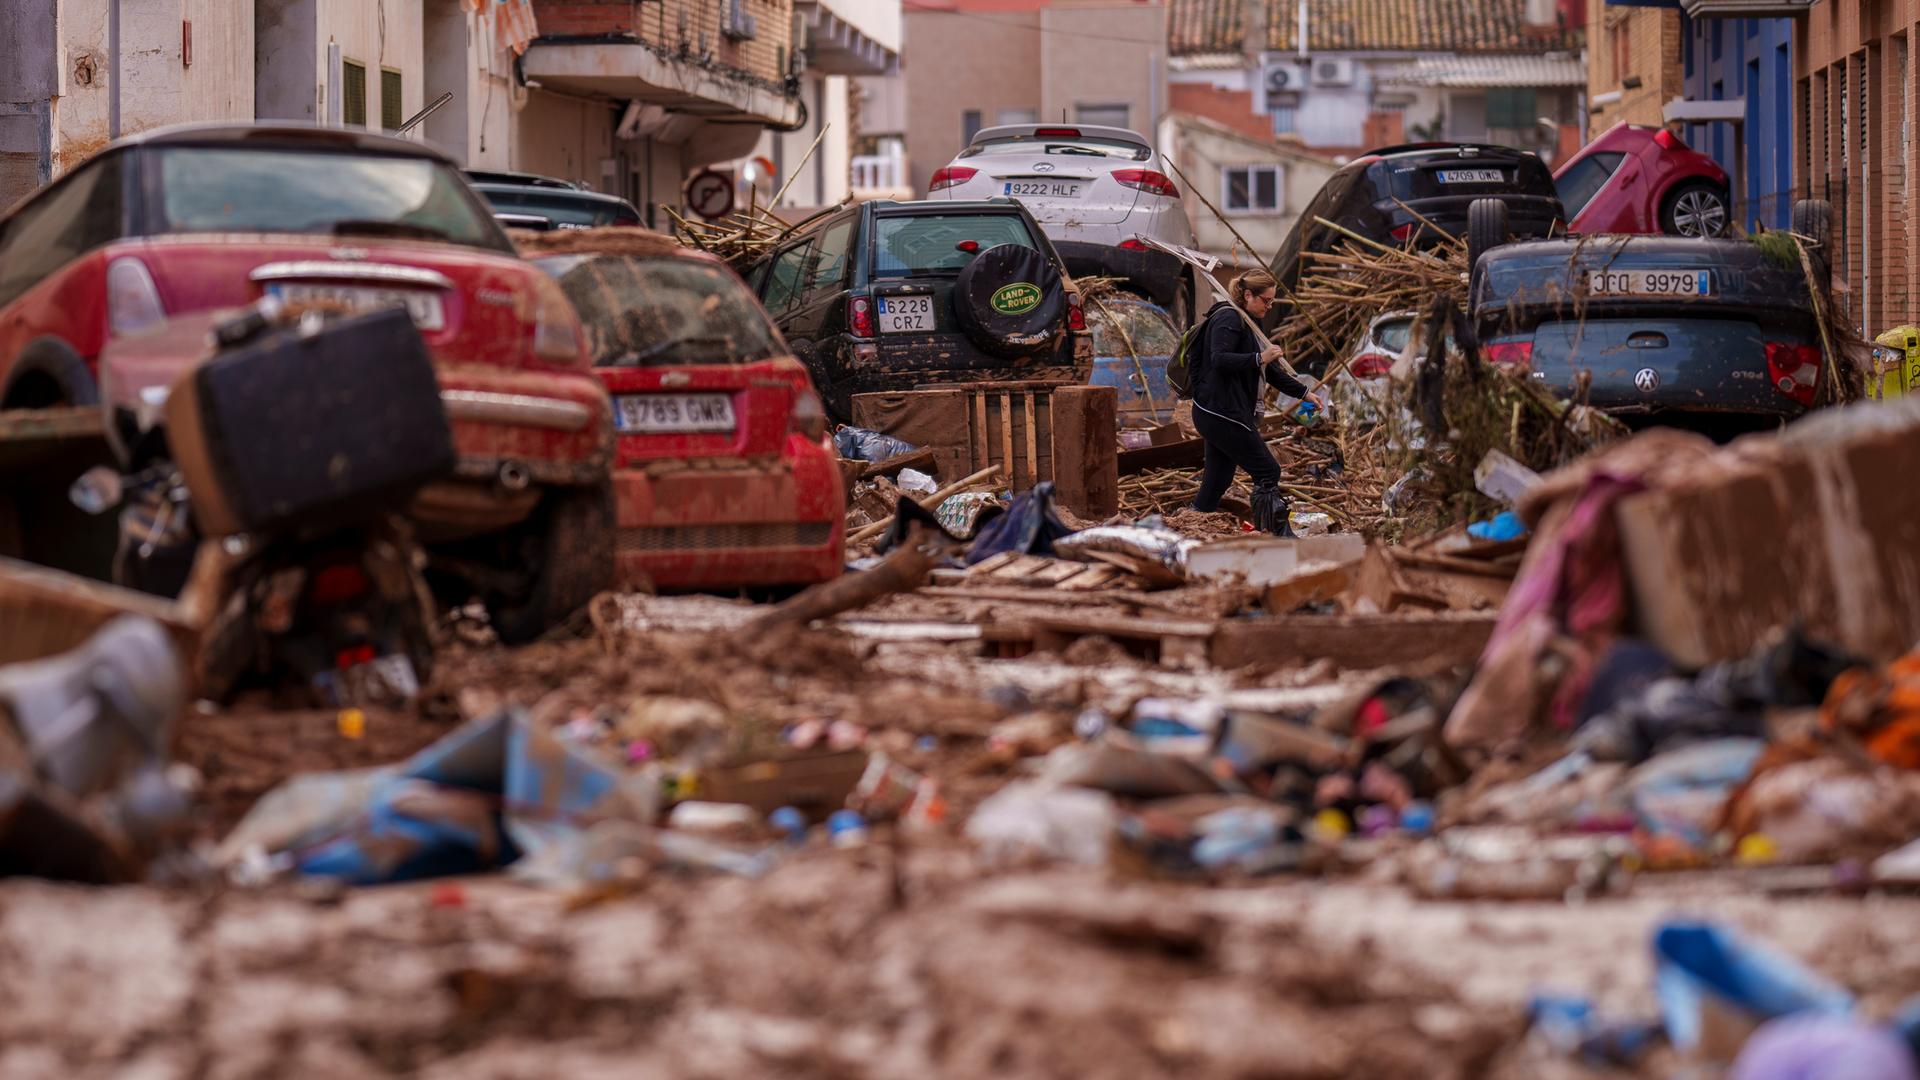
point(338, 584)
point(1403, 233)
point(1518, 354)
point(860, 316)
point(1056, 133)
point(556, 329)
point(1132, 243)
point(1147, 180)
point(1370, 366)
point(1794, 369)
point(1076, 318)
point(1666, 140)
point(133, 302)
point(809, 417)
point(951, 176)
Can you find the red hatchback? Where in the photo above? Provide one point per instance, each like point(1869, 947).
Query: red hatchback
point(1644, 180)
point(195, 218)
point(723, 475)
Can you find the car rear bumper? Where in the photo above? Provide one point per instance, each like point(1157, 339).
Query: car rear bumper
point(778, 523)
point(1528, 216)
point(1156, 273)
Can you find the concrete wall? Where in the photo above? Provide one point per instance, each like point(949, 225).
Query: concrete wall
point(381, 34)
point(1204, 150)
point(567, 137)
point(957, 61)
point(826, 178)
point(1104, 54)
point(461, 56)
point(674, 23)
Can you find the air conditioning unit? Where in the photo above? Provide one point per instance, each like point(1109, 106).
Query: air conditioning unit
point(1337, 72)
point(737, 24)
point(1286, 78)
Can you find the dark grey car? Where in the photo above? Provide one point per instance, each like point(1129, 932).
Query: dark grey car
point(1714, 334)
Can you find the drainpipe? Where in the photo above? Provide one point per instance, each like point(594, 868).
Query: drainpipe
point(113, 69)
point(1303, 41)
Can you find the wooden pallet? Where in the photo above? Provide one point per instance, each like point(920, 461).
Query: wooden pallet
point(1035, 571)
point(1163, 641)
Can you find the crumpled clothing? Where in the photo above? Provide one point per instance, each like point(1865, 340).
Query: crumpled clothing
point(1882, 708)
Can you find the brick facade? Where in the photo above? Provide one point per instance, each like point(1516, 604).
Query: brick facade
point(1624, 42)
point(1855, 100)
point(692, 25)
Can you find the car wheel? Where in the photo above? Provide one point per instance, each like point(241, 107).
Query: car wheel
point(1487, 228)
point(571, 543)
point(1698, 210)
point(1011, 301)
point(1813, 219)
point(48, 373)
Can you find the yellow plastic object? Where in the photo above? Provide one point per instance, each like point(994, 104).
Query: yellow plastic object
point(1755, 849)
point(1896, 363)
point(352, 723)
point(1332, 824)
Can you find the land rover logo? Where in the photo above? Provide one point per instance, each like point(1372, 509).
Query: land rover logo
point(1016, 299)
point(1647, 379)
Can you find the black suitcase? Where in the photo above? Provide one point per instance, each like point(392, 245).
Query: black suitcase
point(287, 429)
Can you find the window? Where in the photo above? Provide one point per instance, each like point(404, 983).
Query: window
point(784, 278)
point(1286, 119)
point(72, 218)
point(248, 189)
point(652, 312)
point(562, 209)
point(969, 125)
point(353, 93)
point(829, 270)
point(1512, 109)
point(930, 243)
point(1102, 115)
point(1016, 116)
point(1251, 189)
point(1583, 180)
point(391, 116)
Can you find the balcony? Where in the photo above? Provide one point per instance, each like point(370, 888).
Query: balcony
point(851, 37)
point(638, 72)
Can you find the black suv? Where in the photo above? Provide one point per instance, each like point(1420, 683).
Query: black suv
point(544, 207)
point(1385, 195)
point(889, 296)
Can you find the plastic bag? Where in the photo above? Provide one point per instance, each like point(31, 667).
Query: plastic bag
point(860, 444)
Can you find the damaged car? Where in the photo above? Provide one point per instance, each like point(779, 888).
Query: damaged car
point(723, 477)
point(887, 296)
point(1716, 335)
point(202, 217)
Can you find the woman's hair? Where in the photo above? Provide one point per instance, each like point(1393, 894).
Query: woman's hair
point(1251, 282)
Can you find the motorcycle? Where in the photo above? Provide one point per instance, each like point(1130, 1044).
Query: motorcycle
point(283, 532)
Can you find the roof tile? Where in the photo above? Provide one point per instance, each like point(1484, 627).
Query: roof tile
point(1199, 27)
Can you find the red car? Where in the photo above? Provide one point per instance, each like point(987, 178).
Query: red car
point(724, 476)
point(1637, 179)
point(194, 218)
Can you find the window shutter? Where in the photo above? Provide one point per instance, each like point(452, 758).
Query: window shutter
point(391, 116)
point(353, 93)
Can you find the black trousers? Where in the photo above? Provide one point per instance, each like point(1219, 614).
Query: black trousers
point(1232, 446)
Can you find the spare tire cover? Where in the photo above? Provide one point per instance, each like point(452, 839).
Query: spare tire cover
point(1010, 300)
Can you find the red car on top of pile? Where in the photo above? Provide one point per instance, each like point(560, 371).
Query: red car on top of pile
point(1645, 180)
point(201, 217)
point(724, 474)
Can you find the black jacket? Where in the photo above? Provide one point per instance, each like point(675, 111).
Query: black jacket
point(1226, 381)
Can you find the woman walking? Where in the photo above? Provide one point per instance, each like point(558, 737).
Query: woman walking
point(1226, 402)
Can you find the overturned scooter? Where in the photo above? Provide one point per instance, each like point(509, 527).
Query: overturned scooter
point(265, 458)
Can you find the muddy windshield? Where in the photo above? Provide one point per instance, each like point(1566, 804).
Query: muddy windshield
point(940, 243)
point(664, 312)
point(253, 189)
point(1114, 325)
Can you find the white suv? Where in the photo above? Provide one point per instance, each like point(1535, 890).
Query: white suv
point(1094, 191)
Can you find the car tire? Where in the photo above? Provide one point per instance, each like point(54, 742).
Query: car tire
point(571, 537)
point(49, 373)
point(1813, 219)
point(1696, 210)
point(1001, 319)
point(1487, 228)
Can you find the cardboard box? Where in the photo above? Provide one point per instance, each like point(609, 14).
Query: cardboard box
point(1819, 526)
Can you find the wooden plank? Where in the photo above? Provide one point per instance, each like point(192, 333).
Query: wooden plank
point(994, 562)
point(982, 444)
point(1312, 587)
point(924, 459)
point(1033, 442)
point(1355, 642)
point(1458, 566)
point(1006, 439)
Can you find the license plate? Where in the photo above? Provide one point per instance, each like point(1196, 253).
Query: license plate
point(1056, 189)
point(906, 314)
point(645, 413)
point(1472, 176)
point(1650, 283)
point(423, 306)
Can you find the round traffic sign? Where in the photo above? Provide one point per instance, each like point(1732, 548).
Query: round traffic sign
point(710, 194)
